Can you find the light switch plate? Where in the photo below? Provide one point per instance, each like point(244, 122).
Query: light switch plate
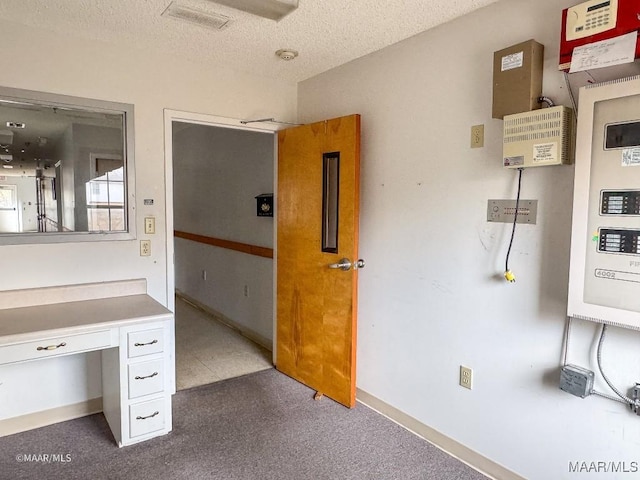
point(149, 225)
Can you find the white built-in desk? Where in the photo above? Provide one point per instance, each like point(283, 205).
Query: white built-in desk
point(134, 333)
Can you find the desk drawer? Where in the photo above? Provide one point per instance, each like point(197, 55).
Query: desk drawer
point(147, 417)
point(145, 342)
point(55, 346)
point(146, 378)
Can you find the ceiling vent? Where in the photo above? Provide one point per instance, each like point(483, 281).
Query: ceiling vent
point(271, 9)
point(213, 21)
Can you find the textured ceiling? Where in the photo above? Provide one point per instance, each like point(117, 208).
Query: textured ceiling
point(327, 33)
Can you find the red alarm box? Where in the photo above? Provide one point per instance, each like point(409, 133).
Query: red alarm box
point(597, 20)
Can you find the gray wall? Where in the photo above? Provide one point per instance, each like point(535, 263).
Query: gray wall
point(217, 173)
point(432, 296)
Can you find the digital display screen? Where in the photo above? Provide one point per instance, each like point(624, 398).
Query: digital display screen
point(619, 241)
point(596, 7)
point(622, 135)
point(620, 202)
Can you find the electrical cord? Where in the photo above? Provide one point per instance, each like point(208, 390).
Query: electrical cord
point(508, 274)
point(546, 100)
point(567, 335)
point(627, 400)
point(571, 96)
point(609, 397)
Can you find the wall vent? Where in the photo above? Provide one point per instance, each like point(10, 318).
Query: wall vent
point(271, 9)
point(213, 21)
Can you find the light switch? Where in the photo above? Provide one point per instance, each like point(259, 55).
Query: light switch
point(149, 225)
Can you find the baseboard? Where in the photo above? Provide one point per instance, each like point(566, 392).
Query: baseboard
point(30, 421)
point(448, 445)
point(250, 334)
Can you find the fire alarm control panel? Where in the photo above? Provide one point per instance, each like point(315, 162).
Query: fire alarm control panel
point(604, 276)
point(594, 21)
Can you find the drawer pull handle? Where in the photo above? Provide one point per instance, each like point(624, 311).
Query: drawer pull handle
point(144, 344)
point(148, 416)
point(52, 347)
point(137, 377)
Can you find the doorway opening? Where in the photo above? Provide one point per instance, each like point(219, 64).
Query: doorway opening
point(223, 275)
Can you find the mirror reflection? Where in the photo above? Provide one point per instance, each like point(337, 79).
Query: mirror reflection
point(63, 167)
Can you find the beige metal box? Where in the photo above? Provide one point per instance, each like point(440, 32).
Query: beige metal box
point(538, 138)
point(517, 78)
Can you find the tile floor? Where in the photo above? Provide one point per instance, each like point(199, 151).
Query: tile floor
point(208, 351)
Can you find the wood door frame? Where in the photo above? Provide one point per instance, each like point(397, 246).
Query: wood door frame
point(171, 116)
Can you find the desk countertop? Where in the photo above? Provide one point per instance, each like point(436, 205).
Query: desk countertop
point(25, 323)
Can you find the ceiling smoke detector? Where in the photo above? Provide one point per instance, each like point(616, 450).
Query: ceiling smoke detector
point(286, 54)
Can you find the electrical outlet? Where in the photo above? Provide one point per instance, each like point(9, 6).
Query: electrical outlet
point(149, 225)
point(246, 290)
point(477, 136)
point(204, 275)
point(145, 248)
point(466, 377)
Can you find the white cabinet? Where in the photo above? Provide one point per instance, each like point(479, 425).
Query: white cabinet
point(134, 333)
point(145, 342)
point(146, 378)
point(54, 346)
point(147, 418)
point(136, 388)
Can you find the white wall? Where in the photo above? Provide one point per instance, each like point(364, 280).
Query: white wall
point(432, 296)
point(63, 64)
point(217, 172)
point(26, 190)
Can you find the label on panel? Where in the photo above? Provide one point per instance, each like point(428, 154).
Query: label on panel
point(515, 60)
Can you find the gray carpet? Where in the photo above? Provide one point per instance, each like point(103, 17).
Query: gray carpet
point(260, 426)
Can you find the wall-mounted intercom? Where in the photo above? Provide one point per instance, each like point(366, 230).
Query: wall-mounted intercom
point(538, 138)
point(594, 21)
point(604, 279)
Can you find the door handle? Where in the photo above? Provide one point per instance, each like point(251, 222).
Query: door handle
point(345, 264)
point(359, 264)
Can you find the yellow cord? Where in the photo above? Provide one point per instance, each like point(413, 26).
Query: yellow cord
point(509, 276)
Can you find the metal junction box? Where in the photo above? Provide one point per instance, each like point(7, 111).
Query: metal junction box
point(517, 78)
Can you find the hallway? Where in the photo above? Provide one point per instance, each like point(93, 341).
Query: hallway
point(208, 351)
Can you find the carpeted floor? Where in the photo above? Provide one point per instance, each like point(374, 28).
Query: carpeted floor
point(260, 426)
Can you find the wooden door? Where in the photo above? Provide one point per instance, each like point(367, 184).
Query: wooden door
point(317, 223)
